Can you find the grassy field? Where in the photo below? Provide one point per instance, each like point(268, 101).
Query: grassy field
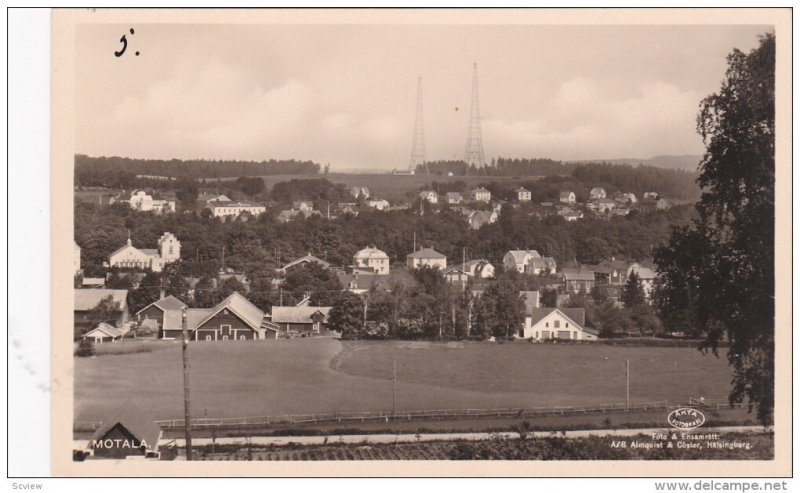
point(236, 379)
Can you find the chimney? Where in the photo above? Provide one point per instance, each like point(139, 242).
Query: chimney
point(162, 294)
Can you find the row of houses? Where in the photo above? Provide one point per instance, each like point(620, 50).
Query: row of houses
point(237, 319)
point(233, 319)
point(479, 194)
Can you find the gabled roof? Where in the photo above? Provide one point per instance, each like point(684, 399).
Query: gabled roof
point(302, 260)
point(241, 307)
point(578, 274)
point(454, 195)
point(522, 189)
point(122, 248)
point(426, 253)
point(370, 252)
point(136, 421)
point(519, 255)
point(166, 304)
point(297, 314)
point(454, 270)
point(86, 299)
point(645, 273)
point(469, 263)
point(543, 262)
point(108, 330)
point(565, 195)
point(576, 315)
point(194, 316)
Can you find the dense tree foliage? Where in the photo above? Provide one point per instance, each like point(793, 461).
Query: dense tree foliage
point(720, 270)
point(577, 177)
point(119, 172)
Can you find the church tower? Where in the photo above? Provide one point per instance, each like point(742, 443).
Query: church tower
point(169, 248)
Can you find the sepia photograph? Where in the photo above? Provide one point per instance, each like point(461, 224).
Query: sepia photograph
point(482, 242)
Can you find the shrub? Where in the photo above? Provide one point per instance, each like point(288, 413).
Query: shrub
point(85, 348)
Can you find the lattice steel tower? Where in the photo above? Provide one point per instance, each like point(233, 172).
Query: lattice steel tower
point(418, 146)
point(473, 155)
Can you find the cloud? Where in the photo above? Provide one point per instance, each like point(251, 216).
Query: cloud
point(587, 120)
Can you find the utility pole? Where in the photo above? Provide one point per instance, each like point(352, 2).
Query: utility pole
point(366, 304)
point(187, 421)
point(627, 384)
point(394, 387)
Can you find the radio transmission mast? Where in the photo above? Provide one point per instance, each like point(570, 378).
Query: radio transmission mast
point(418, 146)
point(473, 155)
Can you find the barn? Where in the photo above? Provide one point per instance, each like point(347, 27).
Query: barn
point(132, 433)
point(166, 312)
point(232, 319)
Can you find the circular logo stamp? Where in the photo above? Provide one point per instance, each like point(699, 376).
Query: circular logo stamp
point(686, 418)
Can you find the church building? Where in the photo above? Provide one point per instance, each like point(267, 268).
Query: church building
point(169, 250)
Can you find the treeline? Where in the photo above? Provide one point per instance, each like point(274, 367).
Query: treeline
point(120, 172)
point(498, 167)
point(579, 178)
point(639, 179)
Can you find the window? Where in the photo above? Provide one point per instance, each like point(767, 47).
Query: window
point(208, 337)
point(224, 338)
point(567, 325)
point(557, 324)
point(547, 324)
point(241, 338)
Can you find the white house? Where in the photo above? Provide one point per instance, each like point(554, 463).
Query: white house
point(523, 195)
point(597, 193)
point(303, 205)
point(105, 332)
point(567, 197)
point(379, 204)
point(544, 323)
point(518, 259)
point(372, 258)
point(539, 265)
point(169, 250)
point(479, 268)
point(429, 196)
point(142, 201)
point(426, 256)
point(454, 198)
point(481, 195)
point(236, 208)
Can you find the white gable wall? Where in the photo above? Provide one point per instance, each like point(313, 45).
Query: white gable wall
point(556, 325)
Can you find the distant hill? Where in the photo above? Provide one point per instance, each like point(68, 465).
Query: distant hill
point(685, 162)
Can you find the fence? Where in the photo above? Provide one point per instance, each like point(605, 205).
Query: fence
point(386, 416)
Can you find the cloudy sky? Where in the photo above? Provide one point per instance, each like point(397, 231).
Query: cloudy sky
point(346, 95)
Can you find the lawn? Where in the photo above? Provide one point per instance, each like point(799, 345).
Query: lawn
point(237, 379)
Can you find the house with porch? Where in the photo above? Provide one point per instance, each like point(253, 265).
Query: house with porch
point(303, 321)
